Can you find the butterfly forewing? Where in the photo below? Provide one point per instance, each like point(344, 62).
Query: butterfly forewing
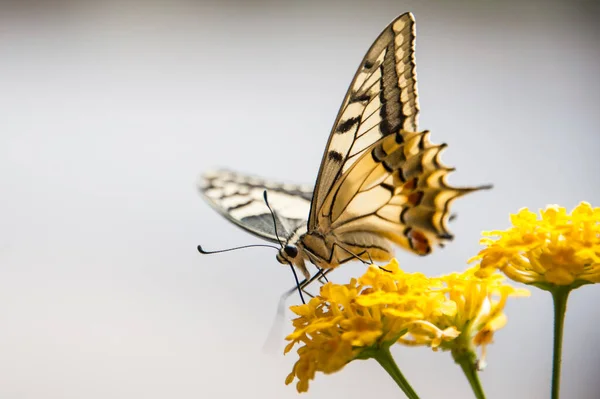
point(382, 99)
point(240, 199)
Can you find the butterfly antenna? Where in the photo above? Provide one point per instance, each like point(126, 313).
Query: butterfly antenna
point(274, 221)
point(205, 252)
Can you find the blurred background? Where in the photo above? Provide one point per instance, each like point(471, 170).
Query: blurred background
point(110, 110)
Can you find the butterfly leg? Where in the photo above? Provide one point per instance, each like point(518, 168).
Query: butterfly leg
point(357, 256)
point(303, 285)
point(322, 275)
point(323, 278)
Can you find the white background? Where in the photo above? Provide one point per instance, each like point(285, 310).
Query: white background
point(109, 112)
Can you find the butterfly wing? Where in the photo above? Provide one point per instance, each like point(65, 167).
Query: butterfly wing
point(396, 191)
point(381, 100)
point(240, 199)
point(381, 181)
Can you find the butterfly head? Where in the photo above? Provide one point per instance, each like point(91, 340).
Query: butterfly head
point(290, 254)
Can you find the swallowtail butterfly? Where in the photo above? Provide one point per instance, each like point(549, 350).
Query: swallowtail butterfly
point(380, 183)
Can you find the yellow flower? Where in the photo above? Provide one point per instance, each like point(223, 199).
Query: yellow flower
point(387, 305)
point(558, 249)
point(344, 320)
point(473, 313)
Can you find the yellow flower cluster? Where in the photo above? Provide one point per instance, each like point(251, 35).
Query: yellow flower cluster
point(559, 248)
point(387, 305)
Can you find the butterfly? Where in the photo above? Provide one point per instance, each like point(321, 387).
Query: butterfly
point(381, 182)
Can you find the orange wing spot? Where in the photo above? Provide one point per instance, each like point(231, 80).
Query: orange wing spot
point(414, 198)
point(419, 242)
point(410, 185)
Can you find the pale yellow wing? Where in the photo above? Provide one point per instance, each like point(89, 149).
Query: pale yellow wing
point(381, 100)
point(396, 190)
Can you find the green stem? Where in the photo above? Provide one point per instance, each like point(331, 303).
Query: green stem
point(467, 364)
point(560, 296)
point(385, 359)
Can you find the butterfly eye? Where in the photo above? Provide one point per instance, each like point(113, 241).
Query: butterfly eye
point(291, 251)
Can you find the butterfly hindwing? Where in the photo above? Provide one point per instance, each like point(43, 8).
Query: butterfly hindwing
point(240, 199)
point(396, 190)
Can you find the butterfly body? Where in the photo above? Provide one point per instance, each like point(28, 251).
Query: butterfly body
point(329, 250)
point(381, 183)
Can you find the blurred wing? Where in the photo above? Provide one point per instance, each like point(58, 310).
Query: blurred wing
point(381, 100)
point(396, 190)
point(240, 199)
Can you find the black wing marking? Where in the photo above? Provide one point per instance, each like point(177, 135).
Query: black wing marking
point(240, 199)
